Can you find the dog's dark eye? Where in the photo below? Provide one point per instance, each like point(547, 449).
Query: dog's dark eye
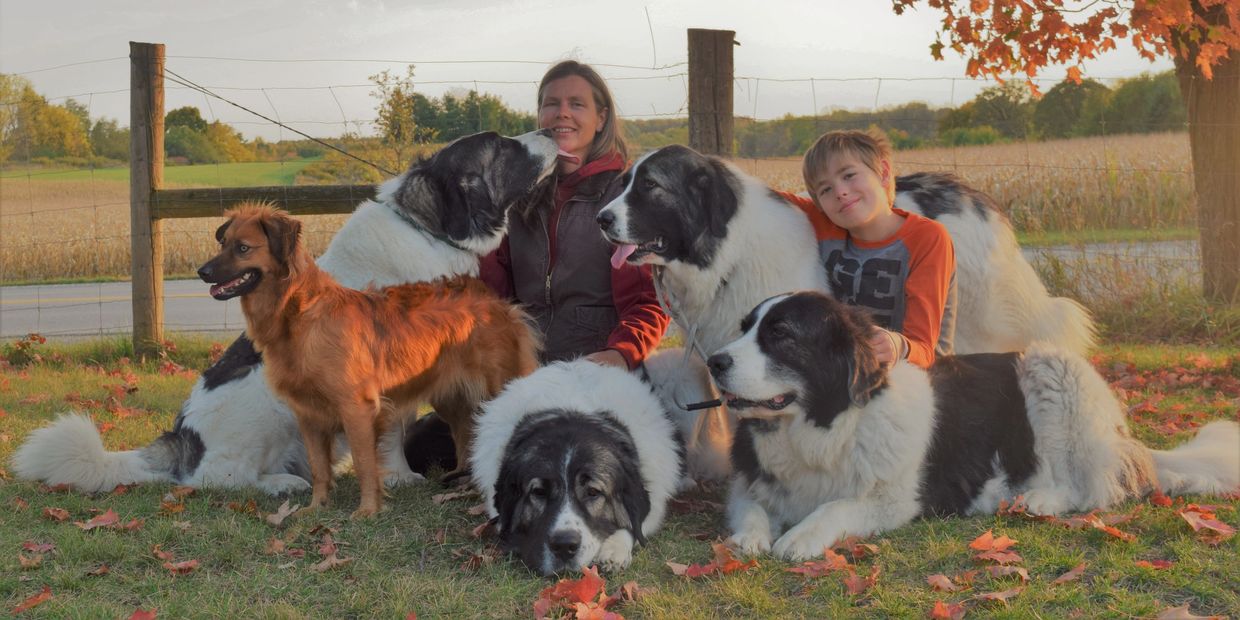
point(539, 492)
point(593, 493)
point(242, 248)
point(780, 331)
point(649, 184)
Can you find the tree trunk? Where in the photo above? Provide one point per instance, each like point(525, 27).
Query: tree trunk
point(1214, 135)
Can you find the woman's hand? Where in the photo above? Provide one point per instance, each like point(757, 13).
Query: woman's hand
point(888, 346)
point(608, 357)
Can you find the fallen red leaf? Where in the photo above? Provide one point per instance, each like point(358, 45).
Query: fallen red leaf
point(1000, 557)
point(275, 546)
point(1004, 571)
point(857, 584)
point(988, 542)
point(181, 568)
point(1155, 564)
point(34, 547)
point(131, 525)
point(56, 514)
point(329, 563)
point(1158, 499)
point(283, 512)
point(20, 503)
point(42, 597)
point(142, 614)
point(101, 570)
point(29, 563)
point(1000, 596)
point(1182, 613)
point(947, 611)
point(249, 507)
point(1071, 575)
point(1203, 518)
point(485, 530)
point(478, 559)
point(567, 593)
point(831, 562)
point(159, 553)
point(941, 583)
point(179, 492)
point(108, 518)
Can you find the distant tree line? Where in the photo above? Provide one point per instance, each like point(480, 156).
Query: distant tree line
point(32, 129)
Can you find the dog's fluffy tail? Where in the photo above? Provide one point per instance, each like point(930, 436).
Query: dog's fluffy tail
point(1066, 323)
point(70, 451)
point(1208, 463)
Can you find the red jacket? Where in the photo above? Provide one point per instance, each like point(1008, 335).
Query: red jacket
point(560, 271)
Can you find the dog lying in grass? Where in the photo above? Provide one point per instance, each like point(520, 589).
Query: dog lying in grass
point(357, 361)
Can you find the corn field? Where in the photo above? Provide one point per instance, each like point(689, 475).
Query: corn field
point(61, 229)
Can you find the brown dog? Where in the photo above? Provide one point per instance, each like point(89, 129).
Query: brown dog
point(354, 360)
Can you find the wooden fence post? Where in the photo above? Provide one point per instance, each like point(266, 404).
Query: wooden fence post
point(710, 90)
point(146, 175)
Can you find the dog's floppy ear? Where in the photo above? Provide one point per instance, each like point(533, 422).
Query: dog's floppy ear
point(283, 234)
point(634, 501)
point(712, 186)
point(469, 206)
point(508, 494)
point(219, 232)
point(865, 373)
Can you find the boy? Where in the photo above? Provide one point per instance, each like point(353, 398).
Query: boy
point(898, 264)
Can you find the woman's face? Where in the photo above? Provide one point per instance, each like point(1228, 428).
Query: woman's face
point(568, 110)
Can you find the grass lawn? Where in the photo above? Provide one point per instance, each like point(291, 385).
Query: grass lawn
point(1124, 235)
point(202, 175)
point(420, 556)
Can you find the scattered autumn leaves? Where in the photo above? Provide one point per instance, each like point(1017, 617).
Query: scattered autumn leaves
point(585, 598)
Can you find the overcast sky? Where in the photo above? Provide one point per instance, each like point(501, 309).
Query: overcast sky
point(846, 46)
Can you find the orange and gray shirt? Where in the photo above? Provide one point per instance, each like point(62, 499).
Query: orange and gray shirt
point(907, 281)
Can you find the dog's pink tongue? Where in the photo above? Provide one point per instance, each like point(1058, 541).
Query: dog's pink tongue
point(622, 252)
point(568, 157)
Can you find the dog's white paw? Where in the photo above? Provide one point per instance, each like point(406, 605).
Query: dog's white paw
point(397, 479)
point(276, 484)
point(1047, 501)
point(803, 542)
point(752, 542)
point(616, 552)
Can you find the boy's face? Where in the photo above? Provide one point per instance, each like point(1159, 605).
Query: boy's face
point(851, 194)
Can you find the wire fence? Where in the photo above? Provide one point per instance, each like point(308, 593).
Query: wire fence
point(59, 224)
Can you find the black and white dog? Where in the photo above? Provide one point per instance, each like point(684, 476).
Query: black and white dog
point(832, 444)
point(727, 242)
point(576, 462)
point(434, 220)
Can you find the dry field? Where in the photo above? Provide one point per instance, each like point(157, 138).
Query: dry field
point(1138, 181)
point(80, 229)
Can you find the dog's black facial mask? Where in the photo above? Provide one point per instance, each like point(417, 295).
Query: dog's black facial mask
point(679, 205)
point(567, 461)
point(466, 188)
point(821, 344)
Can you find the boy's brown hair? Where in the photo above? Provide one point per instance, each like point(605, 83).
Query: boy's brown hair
point(871, 147)
point(611, 138)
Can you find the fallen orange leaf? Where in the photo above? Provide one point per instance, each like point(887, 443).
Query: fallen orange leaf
point(29, 563)
point(1182, 613)
point(947, 611)
point(142, 614)
point(1155, 564)
point(1000, 596)
point(181, 568)
point(1071, 575)
point(941, 582)
point(42, 597)
point(56, 514)
point(108, 518)
point(857, 584)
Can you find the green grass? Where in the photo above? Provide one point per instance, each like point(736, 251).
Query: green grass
point(202, 175)
point(409, 559)
point(1077, 237)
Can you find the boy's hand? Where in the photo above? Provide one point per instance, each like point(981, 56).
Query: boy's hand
point(888, 346)
point(608, 357)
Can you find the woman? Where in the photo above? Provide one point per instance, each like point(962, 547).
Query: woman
point(555, 262)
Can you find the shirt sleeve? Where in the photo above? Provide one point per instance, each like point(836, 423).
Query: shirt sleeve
point(824, 228)
point(931, 270)
point(642, 321)
point(495, 270)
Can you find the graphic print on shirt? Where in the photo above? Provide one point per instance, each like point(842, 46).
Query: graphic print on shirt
point(870, 278)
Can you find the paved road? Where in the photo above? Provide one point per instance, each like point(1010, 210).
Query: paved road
point(67, 311)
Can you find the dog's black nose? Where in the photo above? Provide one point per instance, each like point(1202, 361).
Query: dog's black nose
point(605, 219)
point(564, 544)
point(204, 272)
point(719, 363)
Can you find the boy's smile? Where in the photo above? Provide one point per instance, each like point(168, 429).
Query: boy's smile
point(854, 197)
